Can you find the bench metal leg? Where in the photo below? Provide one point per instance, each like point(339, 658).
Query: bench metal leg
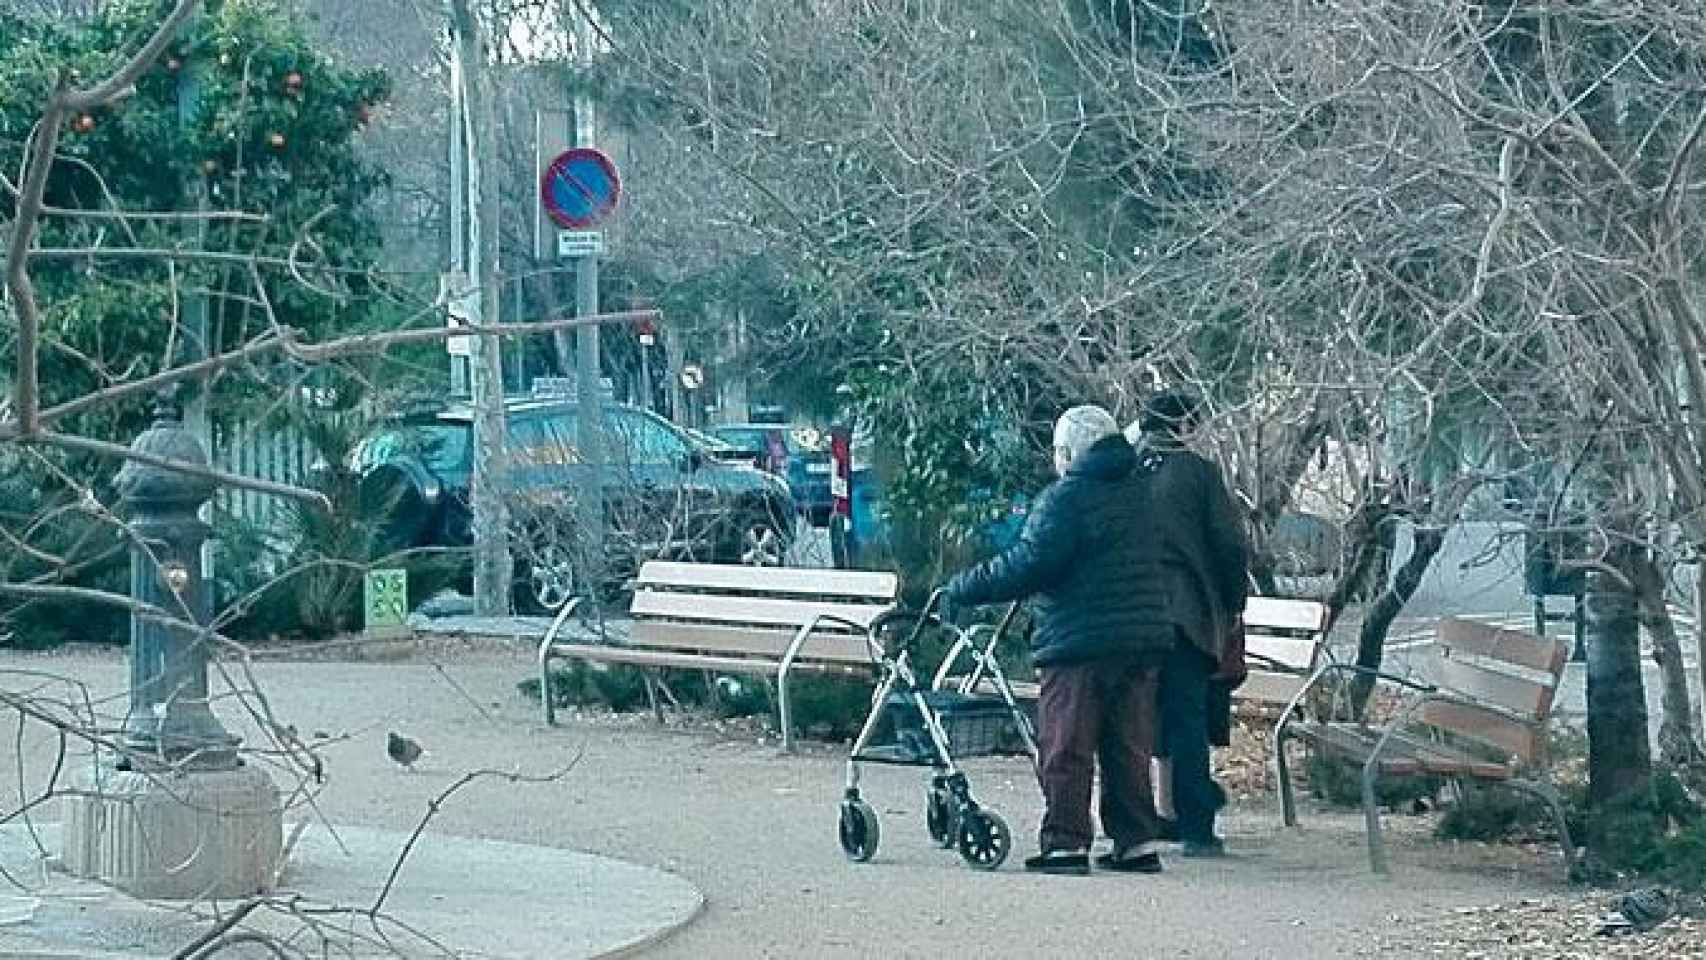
point(546, 653)
point(652, 695)
point(1376, 844)
point(1288, 803)
point(1554, 801)
point(785, 716)
point(545, 682)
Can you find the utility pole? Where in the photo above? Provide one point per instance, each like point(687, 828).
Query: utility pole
point(474, 122)
point(194, 317)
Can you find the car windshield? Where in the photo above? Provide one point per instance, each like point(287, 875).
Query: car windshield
point(440, 445)
point(706, 441)
point(537, 439)
point(746, 438)
point(642, 438)
point(632, 436)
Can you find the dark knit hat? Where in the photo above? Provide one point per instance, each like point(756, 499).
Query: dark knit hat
point(1173, 412)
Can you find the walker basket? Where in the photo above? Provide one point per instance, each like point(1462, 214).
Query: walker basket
point(975, 726)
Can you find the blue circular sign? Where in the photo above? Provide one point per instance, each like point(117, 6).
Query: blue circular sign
point(579, 188)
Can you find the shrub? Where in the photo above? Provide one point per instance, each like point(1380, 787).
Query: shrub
point(824, 708)
point(96, 557)
point(1339, 781)
point(1492, 813)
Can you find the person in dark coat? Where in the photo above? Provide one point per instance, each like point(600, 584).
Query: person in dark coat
point(1206, 574)
point(1089, 557)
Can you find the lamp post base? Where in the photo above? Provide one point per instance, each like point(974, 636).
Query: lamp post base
point(175, 836)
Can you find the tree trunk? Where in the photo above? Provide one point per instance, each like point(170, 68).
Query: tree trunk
point(1275, 496)
point(1677, 744)
point(1371, 639)
point(1367, 537)
point(1619, 756)
point(1700, 625)
point(493, 565)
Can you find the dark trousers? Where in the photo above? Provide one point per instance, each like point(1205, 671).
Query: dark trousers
point(1184, 730)
point(1100, 712)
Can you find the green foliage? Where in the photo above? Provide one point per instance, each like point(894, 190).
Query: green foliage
point(1339, 781)
point(92, 549)
point(823, 708)
point(275, 133)
point(1491, 813)
point(1659, 832)
point(950, 460)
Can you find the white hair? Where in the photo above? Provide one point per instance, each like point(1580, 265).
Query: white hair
point(1080, 428)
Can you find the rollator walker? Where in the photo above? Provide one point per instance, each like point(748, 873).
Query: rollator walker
point(916, 727)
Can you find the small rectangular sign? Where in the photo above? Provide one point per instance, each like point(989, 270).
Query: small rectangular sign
point(387, 599)
point(580, 243)
point(461, 301)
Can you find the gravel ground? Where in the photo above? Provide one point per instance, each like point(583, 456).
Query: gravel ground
point(755, 830)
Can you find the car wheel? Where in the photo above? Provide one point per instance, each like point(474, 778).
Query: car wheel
point(550, 578)
point(762, 545)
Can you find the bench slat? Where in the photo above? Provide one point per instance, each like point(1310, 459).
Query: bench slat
point(1403, 754)
point(750, 642)
point(782, 581)
point(1266, 686)
point(1510, 646)
point(1272, 613)
point(1298, 653)
point(1518, 695)
point(1522, 741)
point(758, 611)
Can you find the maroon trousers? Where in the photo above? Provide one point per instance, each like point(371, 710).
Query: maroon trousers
point(1097, 713)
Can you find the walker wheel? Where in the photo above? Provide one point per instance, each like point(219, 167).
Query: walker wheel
point(859, 831)
point(939, 816)
point(984, 839)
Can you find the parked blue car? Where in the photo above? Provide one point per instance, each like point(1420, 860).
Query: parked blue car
point(798, 454)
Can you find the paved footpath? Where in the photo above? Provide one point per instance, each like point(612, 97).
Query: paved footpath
point(755, 831)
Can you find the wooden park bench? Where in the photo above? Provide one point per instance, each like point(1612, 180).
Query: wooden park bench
point(1479, 713)
point(770, 621)
point(1284, 644)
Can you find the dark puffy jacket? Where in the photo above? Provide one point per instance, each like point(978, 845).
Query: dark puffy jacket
point(1204, 553)
point(1090, 553)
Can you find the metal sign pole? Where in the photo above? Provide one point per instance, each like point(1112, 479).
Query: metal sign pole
point(591, 418)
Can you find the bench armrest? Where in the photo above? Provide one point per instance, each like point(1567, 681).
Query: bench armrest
point(810, 627)
point(1325, 669)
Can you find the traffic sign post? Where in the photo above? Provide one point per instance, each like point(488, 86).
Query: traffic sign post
point(578, 190)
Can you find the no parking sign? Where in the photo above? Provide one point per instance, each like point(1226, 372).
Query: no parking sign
point(579, 188)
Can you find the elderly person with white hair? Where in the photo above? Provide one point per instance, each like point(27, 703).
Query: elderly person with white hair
point(1089, 556)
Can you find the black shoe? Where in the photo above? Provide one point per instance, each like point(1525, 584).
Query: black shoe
point(1142, 863)
point(1199, 850)
point(1167, 830)
point(1063, 862)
